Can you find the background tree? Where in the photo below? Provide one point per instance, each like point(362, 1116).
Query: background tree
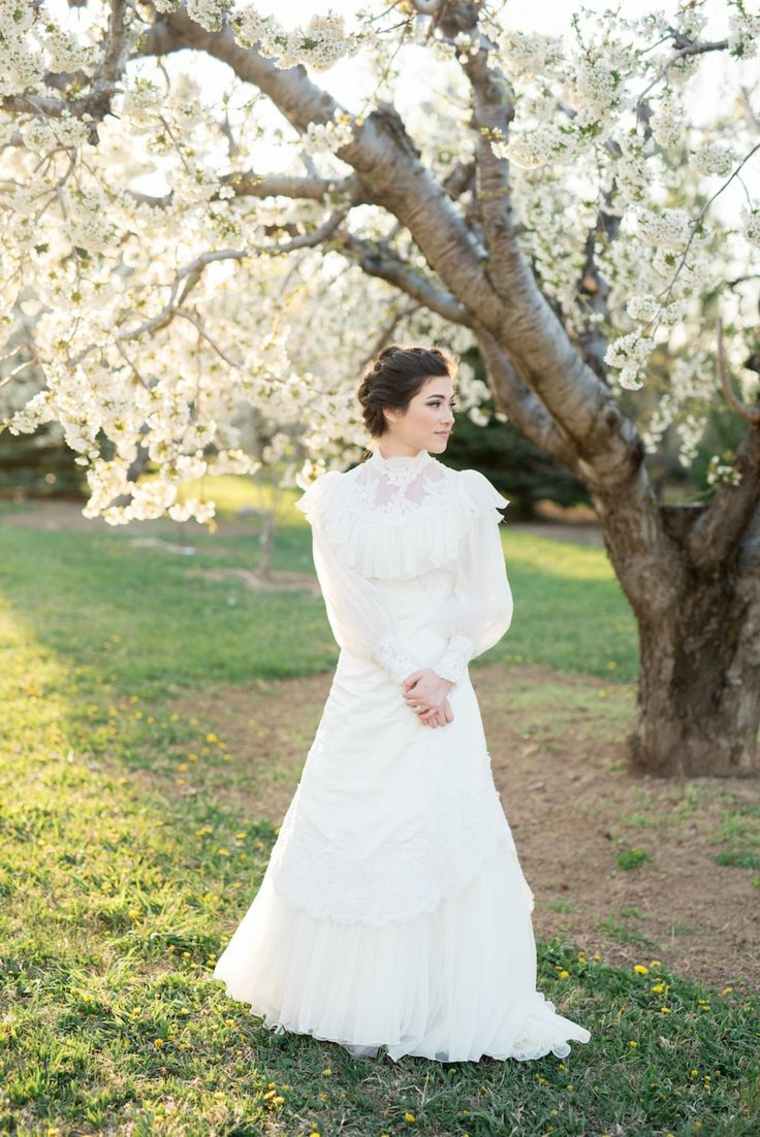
point(552, 205)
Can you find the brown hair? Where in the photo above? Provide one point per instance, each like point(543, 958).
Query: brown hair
point(393, 380)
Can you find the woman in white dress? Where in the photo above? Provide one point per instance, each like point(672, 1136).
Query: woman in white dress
point(394, 912)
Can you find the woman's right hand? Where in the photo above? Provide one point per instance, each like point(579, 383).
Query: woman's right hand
point(437, 716)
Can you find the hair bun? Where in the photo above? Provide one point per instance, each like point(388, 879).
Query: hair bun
point(387, 351)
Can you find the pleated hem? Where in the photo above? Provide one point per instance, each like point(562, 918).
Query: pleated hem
point(559, 1045)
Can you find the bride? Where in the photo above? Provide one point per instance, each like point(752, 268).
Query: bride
point(394, 912)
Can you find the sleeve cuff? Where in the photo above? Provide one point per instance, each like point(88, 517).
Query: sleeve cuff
point(393, 660)
point(453, 663)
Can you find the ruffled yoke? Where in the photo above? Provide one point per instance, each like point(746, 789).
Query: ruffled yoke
point(395, 518)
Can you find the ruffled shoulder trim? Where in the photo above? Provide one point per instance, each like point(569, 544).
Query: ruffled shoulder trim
point(314, 501)
point(481, 493)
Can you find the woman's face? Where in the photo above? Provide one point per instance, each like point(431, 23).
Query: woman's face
point(428, 420)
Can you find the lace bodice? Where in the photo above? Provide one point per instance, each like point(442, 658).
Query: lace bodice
point(402, 519)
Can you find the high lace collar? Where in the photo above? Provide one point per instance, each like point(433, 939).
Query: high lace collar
point(400, 468)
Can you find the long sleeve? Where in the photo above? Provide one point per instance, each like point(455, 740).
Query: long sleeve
point(356, 610)
point(481, 610)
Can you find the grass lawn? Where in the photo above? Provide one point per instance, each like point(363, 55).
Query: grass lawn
point(121, 879)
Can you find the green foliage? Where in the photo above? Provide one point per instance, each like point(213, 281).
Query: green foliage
point(39, 464)
point(632, 858)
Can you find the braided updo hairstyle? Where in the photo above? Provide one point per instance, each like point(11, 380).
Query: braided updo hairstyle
point(395, 377)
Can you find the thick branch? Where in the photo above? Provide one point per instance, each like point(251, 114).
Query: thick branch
point(375, 258)
point(515, 398)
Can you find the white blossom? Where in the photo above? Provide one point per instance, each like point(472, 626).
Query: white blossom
point(666, 228)
point(667, 123)
point(713, 158)
point(751, 223)
point(743, 32)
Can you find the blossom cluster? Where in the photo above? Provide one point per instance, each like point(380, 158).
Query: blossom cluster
point(328, 137)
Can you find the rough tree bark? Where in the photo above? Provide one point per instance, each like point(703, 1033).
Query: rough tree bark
point(692, 574)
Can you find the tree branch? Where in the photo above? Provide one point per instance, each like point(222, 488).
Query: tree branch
point(376, 259)
point(515, 398)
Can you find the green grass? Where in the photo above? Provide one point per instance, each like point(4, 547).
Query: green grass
point(120, 884)
point(138, 616)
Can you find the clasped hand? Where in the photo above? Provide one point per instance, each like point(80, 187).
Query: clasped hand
point(427, 695)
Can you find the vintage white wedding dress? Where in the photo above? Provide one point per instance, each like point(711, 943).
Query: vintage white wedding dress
point(394, 912)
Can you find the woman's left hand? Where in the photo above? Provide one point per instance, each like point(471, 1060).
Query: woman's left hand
point(426, 691)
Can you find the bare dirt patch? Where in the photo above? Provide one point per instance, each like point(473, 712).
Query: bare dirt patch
point(557, 745)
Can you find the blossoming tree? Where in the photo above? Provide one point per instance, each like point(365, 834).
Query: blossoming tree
point(553, 206)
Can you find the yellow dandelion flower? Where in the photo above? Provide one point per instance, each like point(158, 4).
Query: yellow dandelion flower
point(326, 1072)
point(665, 1010)
point(563, 974)
point(726, 990)
point(632, 1043)
point(640, 969)
point(158, 1043)
point(408, 1116)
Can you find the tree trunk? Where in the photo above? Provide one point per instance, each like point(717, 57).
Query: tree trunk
point(698, 707)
